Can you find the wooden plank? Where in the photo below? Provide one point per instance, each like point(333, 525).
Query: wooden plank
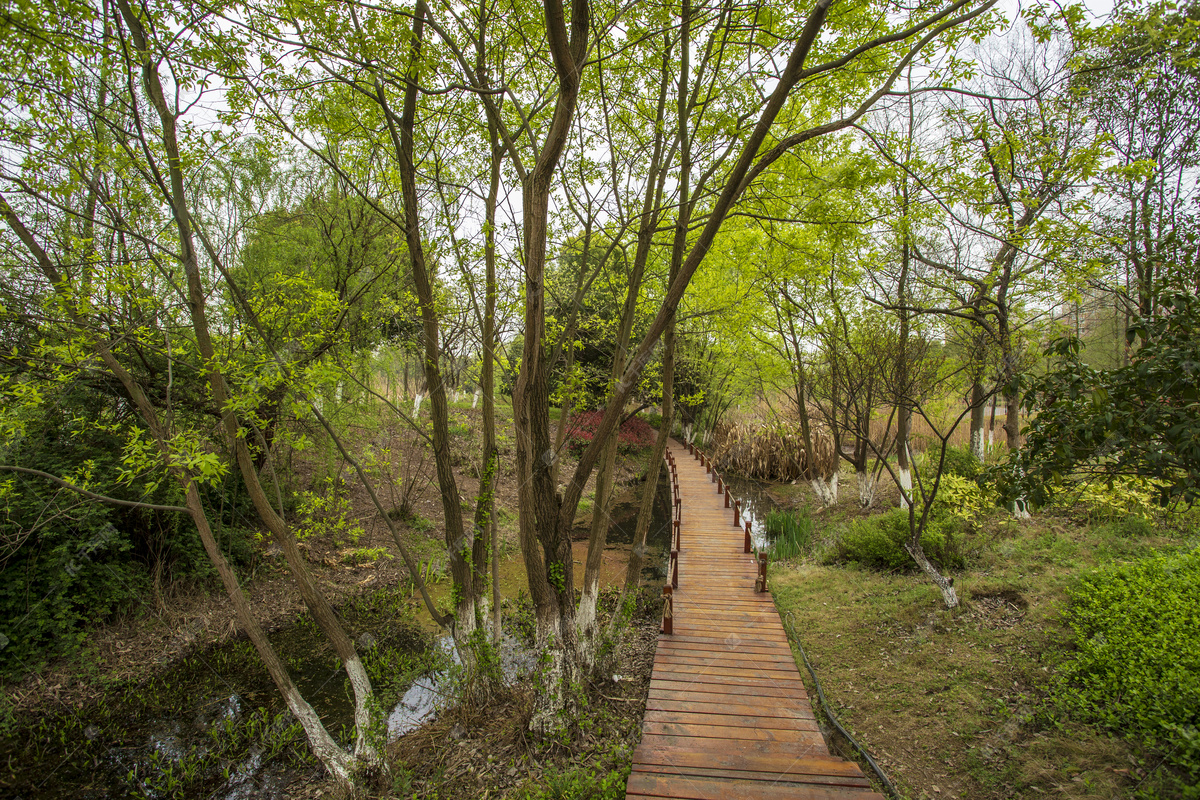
point(687, 702)
point(722, 758)
point(642, 784)
point(710, 772)
point(730, 720)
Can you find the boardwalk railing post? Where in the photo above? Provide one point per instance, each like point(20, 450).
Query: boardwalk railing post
point(760, 584)
point(667, 627)
point(720, 486)
point(737, 513)
point(727, 503)
point(747, 550)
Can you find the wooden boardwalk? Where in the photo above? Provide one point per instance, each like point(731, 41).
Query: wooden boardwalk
point(727, 715)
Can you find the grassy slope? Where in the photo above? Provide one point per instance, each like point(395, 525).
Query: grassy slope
point(944, 700)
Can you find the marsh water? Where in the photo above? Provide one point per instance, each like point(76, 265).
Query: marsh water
point(212, 725)
point(756, 504)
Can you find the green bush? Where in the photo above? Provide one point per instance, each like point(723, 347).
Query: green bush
point(791, 533)
point(963, 499)
point(1136, 667)
point(1127, 498)
point(878, 542)
point(959, 461)
point(70, 563)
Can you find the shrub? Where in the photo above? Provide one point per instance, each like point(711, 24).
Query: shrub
point(791, 533)
point(1127, 497)
point(635, 434)
point(960, 461)
point(878, 542)
point(963, 499)
point(1136, 669)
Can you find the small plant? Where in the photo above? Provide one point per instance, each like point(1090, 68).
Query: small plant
point(1125, 498)
point(962, 498)
point(364, 555)
point(327, 513)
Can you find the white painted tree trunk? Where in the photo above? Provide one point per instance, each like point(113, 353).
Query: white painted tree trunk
point(977, 448)
point(904, 474)
point(334, 758)
point(946, 585)
point(826, 490)
point(866, 488)
point(475, 399)
point(417, 404)
point(586, 625)
point(687, 433)
point(363, 749)
point(550, 700)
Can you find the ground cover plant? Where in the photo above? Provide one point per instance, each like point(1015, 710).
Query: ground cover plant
point(1069, 670)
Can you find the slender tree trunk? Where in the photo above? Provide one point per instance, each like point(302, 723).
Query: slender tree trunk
point(322, 744)
point(322, 612)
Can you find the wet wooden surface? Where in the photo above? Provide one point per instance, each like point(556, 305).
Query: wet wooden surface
point(727, 715)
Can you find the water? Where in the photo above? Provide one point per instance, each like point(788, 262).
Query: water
point(424, 699)
point(756, 504)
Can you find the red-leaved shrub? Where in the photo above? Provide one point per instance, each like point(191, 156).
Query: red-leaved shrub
point(635, 434)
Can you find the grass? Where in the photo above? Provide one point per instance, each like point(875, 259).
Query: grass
point(951, 699)
point(791, 533)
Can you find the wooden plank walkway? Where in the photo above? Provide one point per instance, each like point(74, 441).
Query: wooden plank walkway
point(727, 715)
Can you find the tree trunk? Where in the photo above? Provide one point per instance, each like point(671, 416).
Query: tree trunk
point(944, 584)
point(978, 407)
point(322, 612)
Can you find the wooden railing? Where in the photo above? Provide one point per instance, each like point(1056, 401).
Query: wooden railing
point(673, 564)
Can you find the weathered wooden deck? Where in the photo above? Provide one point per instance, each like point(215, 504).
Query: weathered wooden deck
point(727, 715)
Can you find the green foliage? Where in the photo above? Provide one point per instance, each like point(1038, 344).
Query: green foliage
point(1135, 420)
point(1125, 498)
point(963, 499)
point(791, 533)
point(580, 783)
point(962, 462)
point(327, 513)
point(878, 542)
point(1136, 668)
point(365, 555)
point(68, 563)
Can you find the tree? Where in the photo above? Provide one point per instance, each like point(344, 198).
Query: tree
point(1139, 420)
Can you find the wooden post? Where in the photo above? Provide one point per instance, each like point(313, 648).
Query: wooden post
point(674, 569)
point(760, 584)
point(720, 485)
point(737, 513)
point(747, 550)
point(667, 627)
point(727, 503)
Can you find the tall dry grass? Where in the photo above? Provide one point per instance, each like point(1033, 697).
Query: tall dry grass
point(772, 451)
